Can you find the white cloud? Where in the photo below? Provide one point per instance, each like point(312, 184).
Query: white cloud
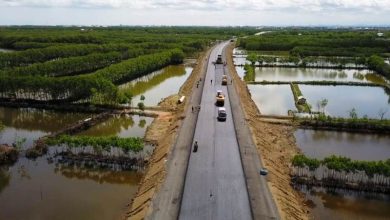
point(305, 5)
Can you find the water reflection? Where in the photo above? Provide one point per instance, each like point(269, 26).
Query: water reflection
point(31, 124)
point(120, 125)
point(272, 99)
point(38, 190)
point(341, 99)
point(312, 74)
point(320, 144)
point(341, 204)
point(158, 85)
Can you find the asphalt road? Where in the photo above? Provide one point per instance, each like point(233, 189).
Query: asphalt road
point(215, 186)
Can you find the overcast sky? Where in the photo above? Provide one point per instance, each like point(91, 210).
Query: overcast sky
point(195, 12)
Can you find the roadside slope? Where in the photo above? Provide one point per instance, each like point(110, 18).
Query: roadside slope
point(275, 145)
point(162, 132)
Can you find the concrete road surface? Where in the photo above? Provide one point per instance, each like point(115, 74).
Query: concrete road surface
point(215, 185)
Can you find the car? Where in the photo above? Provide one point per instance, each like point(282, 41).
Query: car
point(221, 114)
point(263, 171)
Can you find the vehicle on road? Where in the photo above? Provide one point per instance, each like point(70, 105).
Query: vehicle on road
point(224, 80)
point(220, 98)
point(263, 171)
point(221, 114)
point(219, 59)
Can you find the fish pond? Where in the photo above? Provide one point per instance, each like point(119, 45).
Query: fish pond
point(158, 85)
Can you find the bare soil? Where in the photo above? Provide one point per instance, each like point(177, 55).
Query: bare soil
point(276, 146)
point(162, 132)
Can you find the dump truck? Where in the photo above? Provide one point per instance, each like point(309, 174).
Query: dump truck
point(224, 80)
point(220, 98)
point(219, 60)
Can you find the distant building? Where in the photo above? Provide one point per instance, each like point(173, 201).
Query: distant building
point(380, 34)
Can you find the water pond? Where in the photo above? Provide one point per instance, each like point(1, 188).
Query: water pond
point(31, 124)
point(158, 85)
point(41, 190)
point(312, 74)
point(342, 99)
point(272, 99)
point(357, 146)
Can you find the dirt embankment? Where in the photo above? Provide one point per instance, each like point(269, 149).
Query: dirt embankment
point(162, 132)
point(276, 145)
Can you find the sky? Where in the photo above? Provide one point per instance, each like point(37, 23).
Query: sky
point(196, 12)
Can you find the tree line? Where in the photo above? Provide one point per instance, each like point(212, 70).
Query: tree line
point(73, 65)
point(340, 163)
point(98, 86)
point(30, 56)
point(319, 43)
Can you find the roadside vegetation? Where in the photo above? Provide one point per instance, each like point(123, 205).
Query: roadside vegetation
point(133, 144)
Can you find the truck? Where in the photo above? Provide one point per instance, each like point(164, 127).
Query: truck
point(220, 98)
point(224, 80)
point(219, 60)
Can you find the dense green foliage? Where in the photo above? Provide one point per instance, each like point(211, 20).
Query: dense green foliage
point(314, 42)
point(339, 163)
point(98, 85)
point(249, 73)
point(49, 53)
point(378, 64)
point(72, 65)
point(133, 144)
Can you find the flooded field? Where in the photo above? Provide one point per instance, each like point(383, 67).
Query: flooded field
point(341, 204)
point(273, 99)
point(312, 74)
point(158, 85)
point(46, 189)
point(342, 99)
point(358, 146)
point(31, 124)
point(121, 126)
point(39, 190)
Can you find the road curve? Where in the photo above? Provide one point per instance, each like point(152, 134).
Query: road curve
point(215, 186)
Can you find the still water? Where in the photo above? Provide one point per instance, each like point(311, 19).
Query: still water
point(121, 126)
point(342, 99)
point(273, 99)
point(31, 124)
point(40, 190)
point(341, 204)
point(312, 74)
point(357, 146)
point(158, 85)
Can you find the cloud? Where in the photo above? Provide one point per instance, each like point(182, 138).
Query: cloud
point(304, 5)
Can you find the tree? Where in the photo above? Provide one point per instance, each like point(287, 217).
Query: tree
point(252, 57)
point(353, 113)
point(382, 113)
point(321, 104)
point(141, 106)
